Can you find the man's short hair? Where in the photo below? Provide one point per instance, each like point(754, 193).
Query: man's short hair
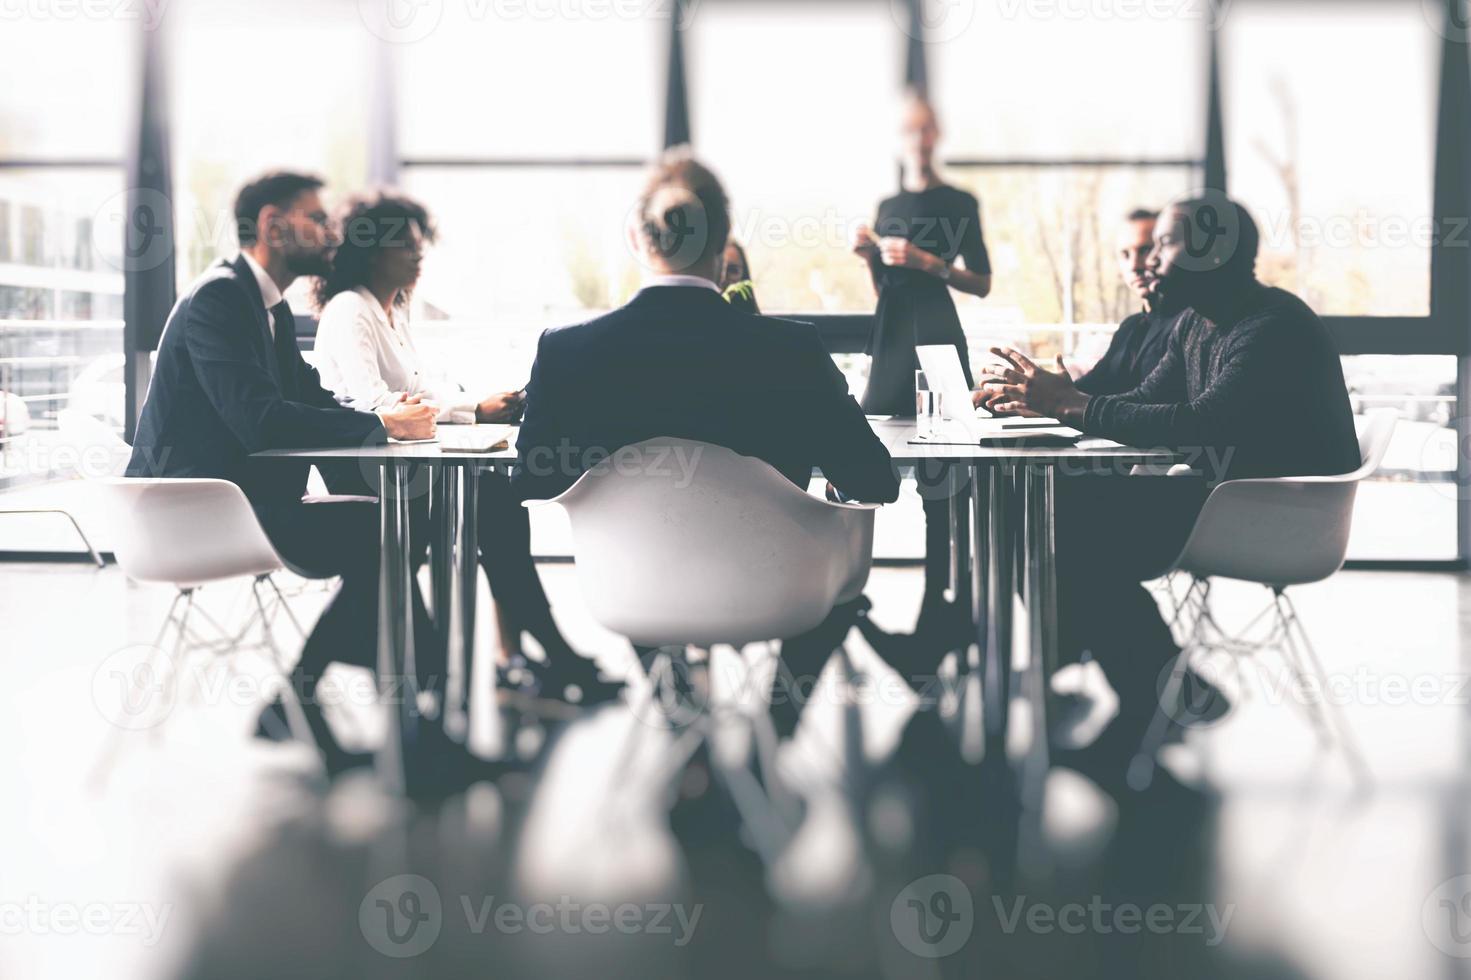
point(1142, 214)
point(279, 188)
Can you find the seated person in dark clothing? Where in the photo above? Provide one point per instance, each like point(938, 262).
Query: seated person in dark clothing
point(230, 381)
point(679, 361)
point(1250, 386)
point(1141, 340)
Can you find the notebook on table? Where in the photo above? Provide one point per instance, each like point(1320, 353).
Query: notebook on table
point(466, 438)
point(474, 438)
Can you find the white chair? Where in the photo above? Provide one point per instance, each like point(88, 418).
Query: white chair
point(682, 543)
point(1277, 533)
point(730, 552)
point(189, 533)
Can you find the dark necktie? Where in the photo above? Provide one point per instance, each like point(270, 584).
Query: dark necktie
point(284, 329)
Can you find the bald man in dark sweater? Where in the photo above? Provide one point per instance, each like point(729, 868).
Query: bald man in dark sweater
point(1250, 386)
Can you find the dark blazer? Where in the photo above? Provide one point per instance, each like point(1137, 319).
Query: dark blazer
point(679, 361)
point(223, 389)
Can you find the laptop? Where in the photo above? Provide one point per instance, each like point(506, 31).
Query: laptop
point(960, 426)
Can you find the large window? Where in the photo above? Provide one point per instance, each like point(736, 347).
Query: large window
point(525, 134)
point(534, 80)
point(1408, 510)
point(520, 249)
point(1330, 111)
point(232, 120)
point(61, 145)
point(1060, 81)
point(795, 105)
point(1052, 233)
point(67, 85)
point(524, 127)
point(1059, 157)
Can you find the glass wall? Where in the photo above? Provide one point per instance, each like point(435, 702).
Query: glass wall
point(1330, 111)
point(61, 331)
point(804, 136)
point(524, 128)
point(525, 133)
point(309, 111)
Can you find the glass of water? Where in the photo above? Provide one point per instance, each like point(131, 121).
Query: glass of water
point(928, 408)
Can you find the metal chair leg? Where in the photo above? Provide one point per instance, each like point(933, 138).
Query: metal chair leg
point(97, 558)
point(1141, 768)
point(1329, 717)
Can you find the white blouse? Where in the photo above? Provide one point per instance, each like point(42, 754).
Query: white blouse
point(367, 360)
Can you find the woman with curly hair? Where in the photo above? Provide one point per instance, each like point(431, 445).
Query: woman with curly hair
point(366, 354)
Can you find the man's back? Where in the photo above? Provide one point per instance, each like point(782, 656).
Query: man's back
point(679, 361)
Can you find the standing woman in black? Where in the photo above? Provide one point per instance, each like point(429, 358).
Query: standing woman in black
point(912, 252)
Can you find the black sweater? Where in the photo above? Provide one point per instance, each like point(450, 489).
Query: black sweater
point(1138, 345)
point(1261, 397)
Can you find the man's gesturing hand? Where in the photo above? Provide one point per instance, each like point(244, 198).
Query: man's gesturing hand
point(1025, 387)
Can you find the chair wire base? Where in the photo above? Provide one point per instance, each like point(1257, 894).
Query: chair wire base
point(1194, 623)
point(164, 665)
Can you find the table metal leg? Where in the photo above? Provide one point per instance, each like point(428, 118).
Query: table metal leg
point(980, 567)
point(998, 599)
point(460, 627)
point(956, 483)
point(1048, 645)
point(443, 512)
point(1041, 593)
point(397, 681)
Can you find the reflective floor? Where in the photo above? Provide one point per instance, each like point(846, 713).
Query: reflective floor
point(883, 838)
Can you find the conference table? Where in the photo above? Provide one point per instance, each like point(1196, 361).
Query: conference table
point(1002, 506)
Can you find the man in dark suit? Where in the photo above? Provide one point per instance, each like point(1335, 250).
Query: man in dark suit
point(230, 381)
point(678, 361)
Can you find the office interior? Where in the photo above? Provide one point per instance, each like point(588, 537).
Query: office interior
point(894, 832)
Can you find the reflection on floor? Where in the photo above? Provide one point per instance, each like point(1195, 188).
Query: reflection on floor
point(635, 849)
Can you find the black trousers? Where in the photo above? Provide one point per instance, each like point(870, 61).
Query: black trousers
point(1112, 533)
point(341, 539)
point(504, 530)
